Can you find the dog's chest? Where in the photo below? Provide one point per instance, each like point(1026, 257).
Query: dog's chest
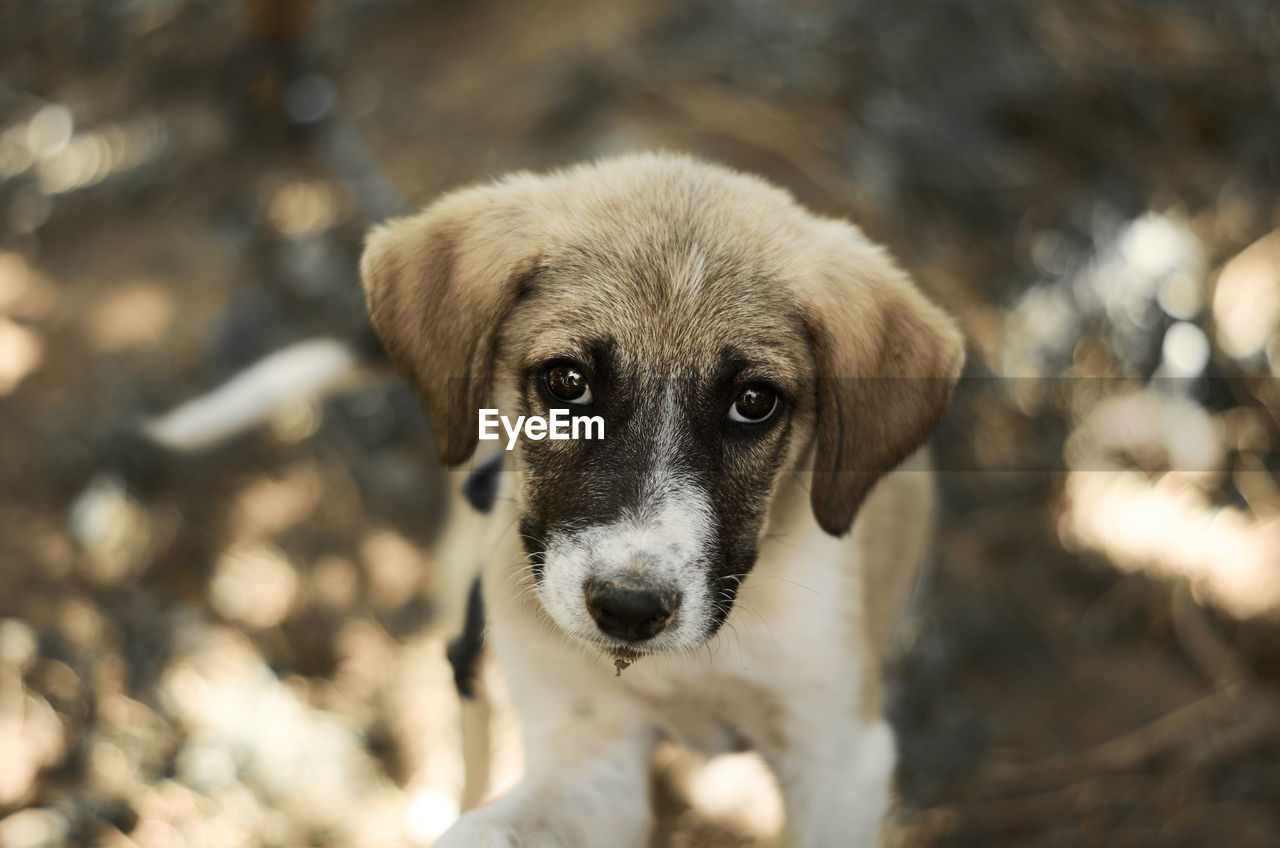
point(718, 717)
point(786, 640)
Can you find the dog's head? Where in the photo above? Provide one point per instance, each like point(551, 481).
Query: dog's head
point(727, 338)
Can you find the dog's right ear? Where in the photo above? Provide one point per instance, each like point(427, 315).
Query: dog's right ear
point(438, 286)
point(888, 360)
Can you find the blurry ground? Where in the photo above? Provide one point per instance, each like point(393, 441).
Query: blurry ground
point(245, 647)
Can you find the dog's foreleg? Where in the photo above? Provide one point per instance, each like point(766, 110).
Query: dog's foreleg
point(835, 780)
point(477, 747)
point(586, 787)
point(465, 653)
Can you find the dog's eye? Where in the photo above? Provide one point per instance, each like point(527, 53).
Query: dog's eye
point(754, 405)
point(568, 383)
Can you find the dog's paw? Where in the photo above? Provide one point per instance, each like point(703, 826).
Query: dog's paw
point(477, 833)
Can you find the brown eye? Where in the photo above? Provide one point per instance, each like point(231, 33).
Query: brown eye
point(755, 404)
point(569, 384)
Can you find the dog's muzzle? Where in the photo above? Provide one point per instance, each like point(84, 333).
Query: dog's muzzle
point(627, 612)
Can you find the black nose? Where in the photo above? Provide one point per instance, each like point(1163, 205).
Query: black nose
point(626, 612)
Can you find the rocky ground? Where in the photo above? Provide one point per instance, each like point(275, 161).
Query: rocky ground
point(245, 646)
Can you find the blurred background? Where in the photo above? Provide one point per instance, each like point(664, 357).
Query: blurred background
point(243, 645)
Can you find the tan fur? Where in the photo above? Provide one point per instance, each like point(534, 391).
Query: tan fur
point(892, 535)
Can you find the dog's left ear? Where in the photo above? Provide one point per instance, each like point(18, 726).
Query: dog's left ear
point(438, 286)
point(888, 360)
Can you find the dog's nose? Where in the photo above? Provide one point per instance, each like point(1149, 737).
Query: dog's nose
point(629, 613)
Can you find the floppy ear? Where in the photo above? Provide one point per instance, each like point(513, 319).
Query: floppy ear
point(438, 286)
point(887, 360)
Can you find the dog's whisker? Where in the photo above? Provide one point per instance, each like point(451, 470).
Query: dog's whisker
point(797, 477)
point(791, 582)
point(748, 608)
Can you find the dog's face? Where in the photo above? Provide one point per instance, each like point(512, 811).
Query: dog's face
point(703, 375)
point(726, 338)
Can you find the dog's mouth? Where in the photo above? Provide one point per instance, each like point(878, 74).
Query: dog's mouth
point(623, 657)
point(622, 653)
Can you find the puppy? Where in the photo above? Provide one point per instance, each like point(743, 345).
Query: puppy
point(724, 566)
